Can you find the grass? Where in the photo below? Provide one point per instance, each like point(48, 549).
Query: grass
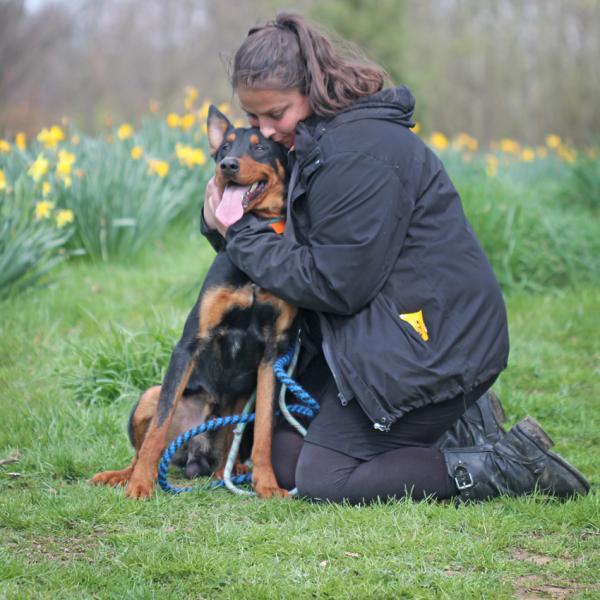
point(93, 331)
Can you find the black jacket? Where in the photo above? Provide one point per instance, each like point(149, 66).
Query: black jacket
point(377, 244)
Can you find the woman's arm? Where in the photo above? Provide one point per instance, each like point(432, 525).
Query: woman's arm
point(359, 214)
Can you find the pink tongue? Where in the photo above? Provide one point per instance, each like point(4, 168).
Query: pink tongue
point(230, 209)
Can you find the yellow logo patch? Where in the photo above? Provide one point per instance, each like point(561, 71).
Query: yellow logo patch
point(418, 324)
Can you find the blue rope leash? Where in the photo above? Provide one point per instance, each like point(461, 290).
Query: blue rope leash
point(309, 408)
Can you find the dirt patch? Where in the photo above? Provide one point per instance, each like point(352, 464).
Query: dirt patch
point(38, 549)
point(532, 587)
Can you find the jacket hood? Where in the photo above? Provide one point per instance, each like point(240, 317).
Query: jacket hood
point(392, 104)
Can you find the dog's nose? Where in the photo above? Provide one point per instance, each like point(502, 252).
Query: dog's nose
point(230, 165)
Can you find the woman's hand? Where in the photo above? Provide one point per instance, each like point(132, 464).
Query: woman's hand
point(212, 199)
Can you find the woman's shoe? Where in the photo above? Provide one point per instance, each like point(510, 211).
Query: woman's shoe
point(519, 463)
point(481, 424)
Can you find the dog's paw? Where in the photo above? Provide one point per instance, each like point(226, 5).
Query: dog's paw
point(266, 491)
point(114, 478)
point(139, 489)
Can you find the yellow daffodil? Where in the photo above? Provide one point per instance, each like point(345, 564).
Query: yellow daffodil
point(491, 169)
point(2, 181)
point(189, 156)
point(224, 107)
point(21, 141)
point(153, 106)
point(553, 141)
point(63, 217)
point(528, 154)
point(417, 128)
point(137, 152)
point(438, 140)
point(463, 141)
point(46, 189)
point(39, 168)
point(125, 131)
point(160, 167)
point(191, 95)
point(43, 209)
point(187, 121)
point(510, 146)
point(65, 163)
point(51, 137)
point(173, 120)
point(203, 111)
point(567, 153)
point(4, 147)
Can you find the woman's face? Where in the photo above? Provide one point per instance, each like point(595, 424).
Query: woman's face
point(275, 112)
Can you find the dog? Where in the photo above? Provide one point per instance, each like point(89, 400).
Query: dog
point(231, 337)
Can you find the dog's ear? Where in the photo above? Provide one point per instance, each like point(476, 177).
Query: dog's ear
point(216, 126)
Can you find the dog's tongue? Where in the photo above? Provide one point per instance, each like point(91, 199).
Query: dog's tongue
point(230, 209)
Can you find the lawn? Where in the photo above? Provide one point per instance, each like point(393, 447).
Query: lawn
point(74, 355)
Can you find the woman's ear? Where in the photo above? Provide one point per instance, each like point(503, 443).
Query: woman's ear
point(217, 125)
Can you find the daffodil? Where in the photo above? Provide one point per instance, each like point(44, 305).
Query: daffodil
point(173, 120)
point(125, 131)
point(46, 189)
point(417, 128)
point(463, 141)
point(553, 141)
point(137, 152)
point(567, 153)
point(4, 147)
point(439, 141)
point(64, 216)
point(528, 154)
point(2, 181)
point(491, 169)
point(21, 141)
point(43, 209)
point(224, 107)
point(187, 121)
point(203, 111)
point(51, 137)
point(160, 167)
point(191, 95)
point(189, 156)
point(510, 146)
point(39, 168)
point(65, 163)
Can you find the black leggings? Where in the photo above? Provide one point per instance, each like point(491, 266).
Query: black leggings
point(344, 459)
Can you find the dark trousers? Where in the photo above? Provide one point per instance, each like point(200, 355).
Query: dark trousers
point(343, 458)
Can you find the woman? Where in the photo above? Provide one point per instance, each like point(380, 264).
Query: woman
point(404, 325)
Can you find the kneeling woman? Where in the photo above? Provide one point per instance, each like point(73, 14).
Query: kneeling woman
point(404, 325)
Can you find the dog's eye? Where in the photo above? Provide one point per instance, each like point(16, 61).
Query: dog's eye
point(225, 147)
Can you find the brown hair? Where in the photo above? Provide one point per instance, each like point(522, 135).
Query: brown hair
point(290, 53)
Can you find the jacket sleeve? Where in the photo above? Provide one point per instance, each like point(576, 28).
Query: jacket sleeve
point(217, 241)
point(359, 215)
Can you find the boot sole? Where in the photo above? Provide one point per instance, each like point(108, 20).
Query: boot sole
point(533, 430)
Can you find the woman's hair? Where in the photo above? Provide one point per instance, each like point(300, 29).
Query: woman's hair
point(289, 53)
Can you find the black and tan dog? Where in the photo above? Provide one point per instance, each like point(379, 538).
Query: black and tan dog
point(231, 337)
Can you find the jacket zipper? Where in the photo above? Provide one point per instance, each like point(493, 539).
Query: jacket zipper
point(343, 395)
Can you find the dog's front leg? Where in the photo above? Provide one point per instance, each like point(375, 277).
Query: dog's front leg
point(263, 477)
point(141, 481)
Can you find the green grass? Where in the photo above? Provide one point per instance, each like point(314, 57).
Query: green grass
point(74, 356)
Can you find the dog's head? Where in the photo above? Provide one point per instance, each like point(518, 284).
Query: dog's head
point(250, 172)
